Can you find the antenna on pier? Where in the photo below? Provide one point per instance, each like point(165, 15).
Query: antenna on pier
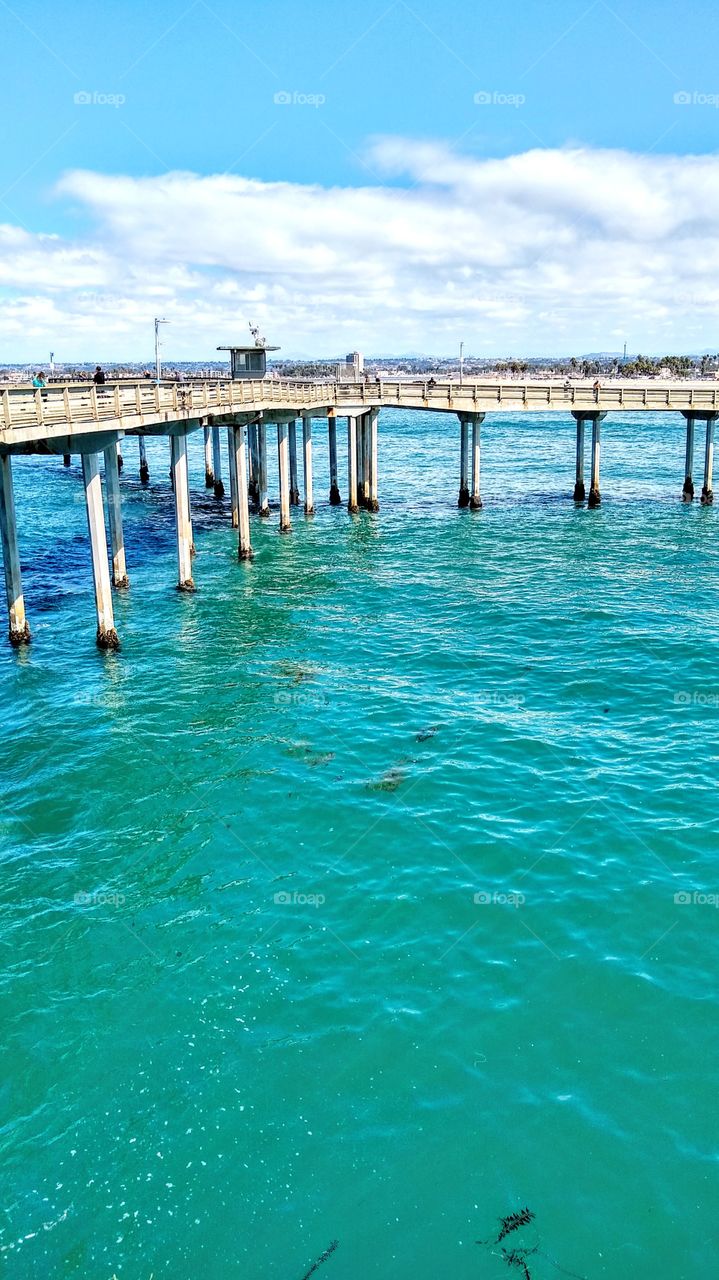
point(259, 341)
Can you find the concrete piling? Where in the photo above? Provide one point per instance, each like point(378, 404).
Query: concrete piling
point(232, 471)
point(352, 454)
point(253, 463)
point(475, 499)
point(283, 460)
point(244, 545)
point(707, 491)
point(688, 487)
point(114, 513)
point(262, 498)
point(307, 465)
point(294, 483)
point(595, 498)
point(580, 492)
point(66, 459)
point(144, 469)
point(209, 473)
point(335, 498)
point(364, 447)
point(107, 637)
point(183, 518)
point(18, 629)
point(120, 459)
point(463, 499)
point(372, 454)
point(218, 487)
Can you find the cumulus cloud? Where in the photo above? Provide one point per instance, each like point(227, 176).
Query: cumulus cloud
point(546, 251)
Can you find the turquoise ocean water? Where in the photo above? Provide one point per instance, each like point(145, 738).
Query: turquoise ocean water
point(340, 905)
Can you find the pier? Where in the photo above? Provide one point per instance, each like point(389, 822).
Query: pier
point(92, 421)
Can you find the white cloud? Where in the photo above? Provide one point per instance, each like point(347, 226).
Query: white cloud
point(563, 250)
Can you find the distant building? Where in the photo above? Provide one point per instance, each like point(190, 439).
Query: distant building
point(351, 369)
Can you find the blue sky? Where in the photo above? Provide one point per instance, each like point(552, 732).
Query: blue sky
point(196, 85)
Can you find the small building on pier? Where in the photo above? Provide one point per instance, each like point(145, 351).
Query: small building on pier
point(249, 361)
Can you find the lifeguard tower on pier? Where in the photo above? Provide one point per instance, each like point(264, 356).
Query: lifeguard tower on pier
point(249, 361)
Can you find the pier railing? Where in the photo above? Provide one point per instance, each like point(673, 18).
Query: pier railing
point(64, 408)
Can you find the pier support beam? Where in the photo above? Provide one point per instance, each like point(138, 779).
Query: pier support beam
point(463, 499)
point(18, 629)
point(232, 470)
point(106, 634)
point(209, 473)
point(707, 491)
point(595, 498)
point(580, 492)
point(144, 469)
point(307, 465)
point(183, 519)
point(239, 447)
point(294, 484)
point(283, 465)
point(219, 488)
point(688, 487)
point(335, 498)
point(253, 463)
point(475, 499)
point(372, 451)
point(365, 454)
point(66, 459)
point(114, 512)
point(262, 499)
point(352, 453)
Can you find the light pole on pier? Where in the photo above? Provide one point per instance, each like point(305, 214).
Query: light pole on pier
point(461, 363)
point(158, 367)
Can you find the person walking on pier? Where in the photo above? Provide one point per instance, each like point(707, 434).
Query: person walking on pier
point(98, 377)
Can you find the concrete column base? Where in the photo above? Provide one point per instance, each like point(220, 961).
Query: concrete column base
point(688, 490)
point(209, 480)
point(294, 497)
point(107, 639)
point(594, 499)
point(580, 492)
point(120, 462)
point(144, 473)
point(475, 504)
point(264, 512)
point(707, 497)
point(463, 499)
point(218, 489)
point(66, 459)
point(372, 504)
point(19, 635)
point(353, 508)
point(187, 585)
point(246, 554)
point(335, 497)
